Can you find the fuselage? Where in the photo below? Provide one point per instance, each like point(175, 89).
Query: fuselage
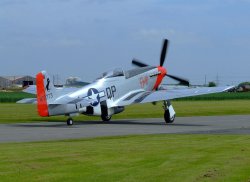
point(115, 87)
point(104, 92)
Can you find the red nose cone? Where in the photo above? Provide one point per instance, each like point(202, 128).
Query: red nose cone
point(159, 78)
point(162, 70)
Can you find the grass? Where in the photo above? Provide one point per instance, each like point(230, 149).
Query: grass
point(219, 96)
point(12, 97)
point(12, 113)
point(131, 158)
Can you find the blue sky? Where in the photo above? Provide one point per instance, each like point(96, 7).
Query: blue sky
point(87, 37)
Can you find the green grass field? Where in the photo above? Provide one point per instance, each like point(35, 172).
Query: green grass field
point(12, 97)
point(11, 113)
point(132, 158)
point(219, 96)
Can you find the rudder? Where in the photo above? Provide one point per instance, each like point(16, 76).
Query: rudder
point(45, 93)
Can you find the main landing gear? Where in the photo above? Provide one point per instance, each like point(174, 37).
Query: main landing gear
point(69, 121)
point(169, 113)
point(106, 117)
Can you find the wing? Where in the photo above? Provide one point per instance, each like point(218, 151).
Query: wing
point(144, 97)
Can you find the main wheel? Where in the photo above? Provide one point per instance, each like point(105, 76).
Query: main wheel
point(167, 117)
point(70, 121)
point(105, 117)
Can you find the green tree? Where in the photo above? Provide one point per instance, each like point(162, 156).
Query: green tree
point(244, 83)
point(212, 84)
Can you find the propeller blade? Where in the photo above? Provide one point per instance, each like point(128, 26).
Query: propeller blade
point(181, 80)
point(163, 52)
point(138, 63)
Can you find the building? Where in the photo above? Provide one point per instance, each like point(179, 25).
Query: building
point(4, 83)
point(16, 81)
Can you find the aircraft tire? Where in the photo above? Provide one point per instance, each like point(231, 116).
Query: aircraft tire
point(69, 121)
point(167, 117)
point(106, 117)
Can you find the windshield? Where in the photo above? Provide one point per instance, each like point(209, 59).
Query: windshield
point(110, 74)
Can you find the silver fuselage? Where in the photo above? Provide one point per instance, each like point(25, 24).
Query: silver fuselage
point(106, 92)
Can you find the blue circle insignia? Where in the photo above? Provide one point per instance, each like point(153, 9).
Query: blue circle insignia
point(93, 94)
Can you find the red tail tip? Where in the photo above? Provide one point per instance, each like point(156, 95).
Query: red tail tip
point(42, 105)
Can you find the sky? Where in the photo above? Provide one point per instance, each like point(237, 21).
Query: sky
point(83, 38)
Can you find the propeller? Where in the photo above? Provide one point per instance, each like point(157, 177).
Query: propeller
point(162, 60)
point(139, 63)
point(163, 52)
point(182, 81)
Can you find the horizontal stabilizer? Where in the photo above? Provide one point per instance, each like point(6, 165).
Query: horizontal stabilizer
point(31, 89)
point(27, 101)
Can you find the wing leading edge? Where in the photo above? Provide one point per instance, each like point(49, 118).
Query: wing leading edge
point(145, 97)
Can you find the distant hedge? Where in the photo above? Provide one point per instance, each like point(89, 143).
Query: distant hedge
point(219, 96)
point(12, 97)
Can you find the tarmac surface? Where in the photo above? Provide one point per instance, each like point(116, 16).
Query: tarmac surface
point(47, 131)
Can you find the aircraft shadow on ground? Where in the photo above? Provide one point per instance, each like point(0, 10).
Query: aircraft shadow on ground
point(116, 122)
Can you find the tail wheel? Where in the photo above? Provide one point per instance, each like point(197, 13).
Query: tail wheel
point(167, 117)
point(106, 117)
point(70, 121)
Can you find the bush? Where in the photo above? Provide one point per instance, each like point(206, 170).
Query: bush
point(12, 97)
point(212, 84)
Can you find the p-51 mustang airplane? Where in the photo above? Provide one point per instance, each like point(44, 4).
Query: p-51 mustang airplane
point(109, 94)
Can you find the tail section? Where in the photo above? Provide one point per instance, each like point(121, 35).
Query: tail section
point(45, 93)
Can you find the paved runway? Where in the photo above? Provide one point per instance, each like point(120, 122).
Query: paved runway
point(45, 131)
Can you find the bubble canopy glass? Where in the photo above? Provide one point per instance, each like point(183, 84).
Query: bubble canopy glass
point(113, 73)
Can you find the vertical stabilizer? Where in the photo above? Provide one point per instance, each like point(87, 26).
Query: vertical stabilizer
point(45, 93)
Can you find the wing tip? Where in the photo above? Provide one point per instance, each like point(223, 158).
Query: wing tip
point(229, 88)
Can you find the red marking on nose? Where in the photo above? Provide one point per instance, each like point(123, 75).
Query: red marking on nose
point(159, 78)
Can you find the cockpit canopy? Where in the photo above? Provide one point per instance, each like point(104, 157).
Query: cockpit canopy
point(113, 73)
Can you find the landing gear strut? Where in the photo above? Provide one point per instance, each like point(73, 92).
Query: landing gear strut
point(105, 117)
point(169, 114)
point(69, 121)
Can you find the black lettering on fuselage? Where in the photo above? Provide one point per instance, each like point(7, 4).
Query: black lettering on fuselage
point(113, 90)
point(49, 96)
point(110, 91)
point(46, 97)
